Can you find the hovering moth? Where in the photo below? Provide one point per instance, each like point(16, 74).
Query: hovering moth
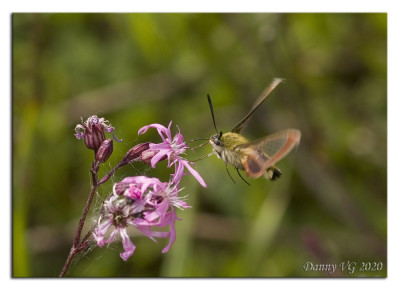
point(256, 158)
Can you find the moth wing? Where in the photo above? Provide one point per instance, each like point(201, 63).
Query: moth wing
point(259, 101)
point(261, 154)
point(253, 161)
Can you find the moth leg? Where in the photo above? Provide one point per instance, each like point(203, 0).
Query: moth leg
point(237, 170)
point(195, 147)
point(208, 155)
point(229, 173)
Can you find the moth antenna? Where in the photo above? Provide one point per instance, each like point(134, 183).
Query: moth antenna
point(212, 112)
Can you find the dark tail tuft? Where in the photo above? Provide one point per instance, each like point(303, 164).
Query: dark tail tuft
point(276, 174)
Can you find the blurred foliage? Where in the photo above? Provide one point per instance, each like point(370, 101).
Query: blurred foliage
point(135, 69)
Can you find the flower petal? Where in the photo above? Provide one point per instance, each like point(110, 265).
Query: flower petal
point(101, 231)
point(153, 234)
point(194, 173)
point(159, 127)
point(156, 158)
point(172, 237)
point(178, 138)
point(177, 176)
point(129, 247)
point(112, 236)
point(160, 146)
point(80, 131)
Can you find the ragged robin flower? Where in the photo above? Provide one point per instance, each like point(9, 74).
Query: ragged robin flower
point(143, 203)
point(172, 149)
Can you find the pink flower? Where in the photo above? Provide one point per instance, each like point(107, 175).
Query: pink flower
point(172, 149)
point(116, 215)
point(143, 203)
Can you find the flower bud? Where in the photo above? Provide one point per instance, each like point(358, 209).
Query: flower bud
point(134, 153)
point(104, 151)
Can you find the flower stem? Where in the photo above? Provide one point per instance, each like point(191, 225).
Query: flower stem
point(109, 174)
point(94, 170)
point(71, 256)
point(77, 246)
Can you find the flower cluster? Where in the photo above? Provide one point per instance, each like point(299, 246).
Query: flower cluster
point(142, 203)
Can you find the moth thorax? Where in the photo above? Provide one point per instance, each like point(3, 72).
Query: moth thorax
point(231, 140)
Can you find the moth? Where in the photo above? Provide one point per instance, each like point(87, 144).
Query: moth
point(256, 158)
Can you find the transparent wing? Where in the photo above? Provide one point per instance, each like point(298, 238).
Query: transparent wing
point(275, 146)
point(259, 101)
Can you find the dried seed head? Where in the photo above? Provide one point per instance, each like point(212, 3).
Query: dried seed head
point(92, 132)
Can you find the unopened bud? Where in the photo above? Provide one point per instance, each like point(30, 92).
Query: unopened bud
point(104, 151)
point(134, 153)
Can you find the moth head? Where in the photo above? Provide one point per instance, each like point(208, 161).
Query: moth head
point(216, 142)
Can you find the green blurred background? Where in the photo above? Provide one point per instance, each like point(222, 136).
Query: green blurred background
point(330, 205)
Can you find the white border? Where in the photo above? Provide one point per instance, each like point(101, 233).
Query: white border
point(215, 6)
